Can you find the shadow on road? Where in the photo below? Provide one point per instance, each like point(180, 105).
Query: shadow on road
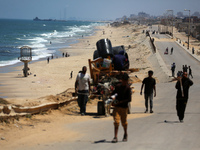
point(171, 122)
point(95, 115)
point(102, 141)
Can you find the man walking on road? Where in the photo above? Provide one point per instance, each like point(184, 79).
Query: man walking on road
point(172, 50)
point(190, 72)
point(120, 104)
point(82, 84)
point(150, 86)
point(173, 66)
point(183, 84)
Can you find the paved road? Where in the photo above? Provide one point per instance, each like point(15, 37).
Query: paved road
point(180, 56)
point(148, 133)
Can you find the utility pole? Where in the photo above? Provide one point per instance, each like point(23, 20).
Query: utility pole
point(172, 21)
point(188, 28)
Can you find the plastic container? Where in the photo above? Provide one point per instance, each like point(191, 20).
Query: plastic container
point(106, 63)
point(101, 108)
point(104, 48)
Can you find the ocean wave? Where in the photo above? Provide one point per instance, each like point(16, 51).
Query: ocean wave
point(37, 54)
point(46, 42)
point(70, 31)
point(4, 51)
point(41, 56)
point(9, 62)
point(37, 42)
point(77, 29)
point(42, 52)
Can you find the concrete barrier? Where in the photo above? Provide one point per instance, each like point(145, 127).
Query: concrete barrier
point(152, 44)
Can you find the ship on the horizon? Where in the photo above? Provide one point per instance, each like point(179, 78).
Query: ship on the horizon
point(37, 19)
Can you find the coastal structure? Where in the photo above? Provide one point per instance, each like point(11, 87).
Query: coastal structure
point(26, 57)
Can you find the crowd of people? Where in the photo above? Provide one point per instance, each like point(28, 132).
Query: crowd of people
point(123, 95)
point(123, 92)
point(185, 68)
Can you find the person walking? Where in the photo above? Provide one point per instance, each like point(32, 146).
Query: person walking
point(119, 61)
point(120, 104)
point(150, 86)
point(185, 68)
point(182, 85)
point(82, 85)
point(172, 49)
point(48, 60)
point(190, 72)
point(192, 50)
point(173, 69)
point(166, 51)
point(71, 74)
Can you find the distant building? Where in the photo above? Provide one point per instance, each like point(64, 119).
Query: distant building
point(143, 15)
point(182, 26)
point(193, 19)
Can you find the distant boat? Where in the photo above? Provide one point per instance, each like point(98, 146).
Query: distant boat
point(37, 19)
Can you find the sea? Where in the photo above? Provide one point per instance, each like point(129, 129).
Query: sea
point(45, 38)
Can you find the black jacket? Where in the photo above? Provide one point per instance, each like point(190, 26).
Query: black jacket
point(186, 82)
point(124, 94)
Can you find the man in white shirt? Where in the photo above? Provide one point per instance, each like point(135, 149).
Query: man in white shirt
point(82, 85)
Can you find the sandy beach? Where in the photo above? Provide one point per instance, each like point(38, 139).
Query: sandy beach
point(48, 80)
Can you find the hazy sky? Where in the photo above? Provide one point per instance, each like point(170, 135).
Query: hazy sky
point(91, 9)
